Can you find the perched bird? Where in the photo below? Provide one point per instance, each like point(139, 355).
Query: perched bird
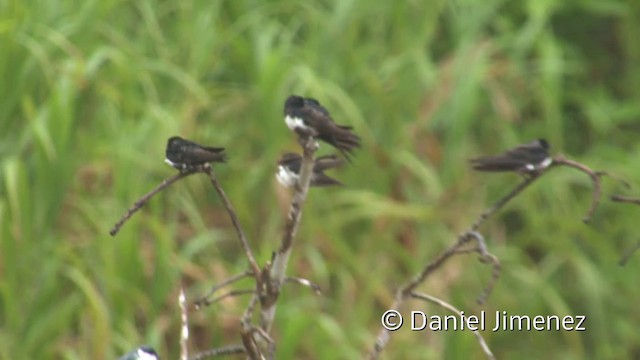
point(306, 116)
point(525, 159)
point(186, 155)
point(141, 353)
point(289, 170)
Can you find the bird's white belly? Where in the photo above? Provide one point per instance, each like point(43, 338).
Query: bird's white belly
point(142, 355)
point(545, 163)
point(294, 122)
point(172, 163)
point(286, 177)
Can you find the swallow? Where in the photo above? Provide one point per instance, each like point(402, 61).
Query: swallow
point(305, 116)
point(525, 159)
point(141, 353)
point(289, 170)
point(186, 155)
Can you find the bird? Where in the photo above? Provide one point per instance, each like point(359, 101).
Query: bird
point(183, 154)
point(289, 170)
point(525, 159)
point(305, 116)
point(142, 353)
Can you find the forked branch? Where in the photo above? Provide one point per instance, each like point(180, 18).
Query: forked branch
point(253, 265)
point(408, 290)
point(143, 200)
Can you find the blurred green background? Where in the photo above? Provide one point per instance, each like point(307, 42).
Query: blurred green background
point(92, 89)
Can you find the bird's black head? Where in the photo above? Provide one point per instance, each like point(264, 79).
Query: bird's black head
point(144, 352)
point(174, 141)
point(149, 350)
point(294, 101)
point(312, 101)
point(289, 158)
point(544, 143)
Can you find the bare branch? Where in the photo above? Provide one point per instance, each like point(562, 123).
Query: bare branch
point(204, 301)
point(624, 199)
point(442, 303)
point(486, 257)
point(231, 293)
point(595, 178)
point(236, 224)
point(628, 253)
point(304, 282)
point(184, 319)
point(457, 248)
point(143, 200)
point(271, 345)
point(495, 275)
point(280, 261)
point(246, 333)
point(504, 200)
point(227, 350)
point(383, 335)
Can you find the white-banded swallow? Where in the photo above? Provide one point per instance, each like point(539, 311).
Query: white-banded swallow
point(525, 159)
point(141, 353)
point(307, 117)
point(185, 155)
point(289, 170)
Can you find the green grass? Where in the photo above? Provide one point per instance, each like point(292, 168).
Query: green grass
point(91, 90)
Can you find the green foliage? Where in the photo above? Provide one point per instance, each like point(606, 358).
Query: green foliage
point(92, 90)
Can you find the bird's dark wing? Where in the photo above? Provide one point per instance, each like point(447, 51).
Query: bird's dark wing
point(213, 149)
point(323, 163)
point(200, 155)
point(498, 163)
point(339, 136)
point(532, 153)
point(342, 139)
point(292, 161)
point(313, 103)
point(320, 179)
point(316, 117)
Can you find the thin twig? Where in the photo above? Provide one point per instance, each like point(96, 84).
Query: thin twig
point(231, 293)
point(304, 282)
point(467, 251)
point(246, 332)
point(383, 335)
point(625, 258)
point(271, 345)
point(622, 181)
point(249, 342)
point(184, 319)
point(222, 351)
point(143, 200)
point(442, 303)
point(595, 178)
point(504, 200)
point(625, 199)
point(495, 275)
point(204, 301)
point(486, 257)
point(236, 224)
point(629, 200)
